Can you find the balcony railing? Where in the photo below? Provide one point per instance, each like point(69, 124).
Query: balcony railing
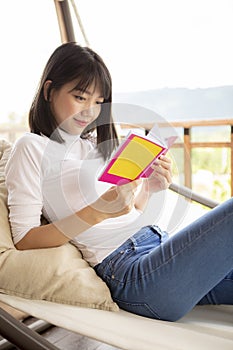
point(188, 144)
point(12, 133)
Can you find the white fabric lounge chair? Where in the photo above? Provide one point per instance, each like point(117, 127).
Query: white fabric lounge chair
point(93, 313)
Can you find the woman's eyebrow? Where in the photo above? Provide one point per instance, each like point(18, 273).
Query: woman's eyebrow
point(86, 92)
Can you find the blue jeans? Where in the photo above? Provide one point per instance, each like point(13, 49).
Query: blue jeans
point(163, 277)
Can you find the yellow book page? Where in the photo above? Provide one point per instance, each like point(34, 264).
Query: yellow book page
point(135, 157)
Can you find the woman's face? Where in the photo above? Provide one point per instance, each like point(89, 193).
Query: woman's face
point(73, 109)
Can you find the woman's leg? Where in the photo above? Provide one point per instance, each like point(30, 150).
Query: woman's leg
point(222, 293)
point(168, 280)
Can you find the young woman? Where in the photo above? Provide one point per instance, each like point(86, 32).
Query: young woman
point(52, 172)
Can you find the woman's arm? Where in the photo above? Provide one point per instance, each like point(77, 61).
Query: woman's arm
point(25, 200)
point(59, 232)
point(115, 202)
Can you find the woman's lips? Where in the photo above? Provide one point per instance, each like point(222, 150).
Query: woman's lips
point(81, 122)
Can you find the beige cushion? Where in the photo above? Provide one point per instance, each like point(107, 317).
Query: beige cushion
point(53, 274)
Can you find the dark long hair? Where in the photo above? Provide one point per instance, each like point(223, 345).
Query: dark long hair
point(67, 63)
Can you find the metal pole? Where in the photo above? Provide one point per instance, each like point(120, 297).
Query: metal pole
point(20, 335)
point(64, 21)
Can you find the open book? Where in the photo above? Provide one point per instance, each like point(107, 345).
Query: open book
point(134, 157)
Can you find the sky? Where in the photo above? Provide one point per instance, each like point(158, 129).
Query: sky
point(148, 44)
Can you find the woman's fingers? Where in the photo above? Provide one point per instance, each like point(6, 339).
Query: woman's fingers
point(130, 186)
point(118, 200)
point(163, 172)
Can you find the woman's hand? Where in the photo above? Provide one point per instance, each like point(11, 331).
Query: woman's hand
point(161, 178)
point(117, 201)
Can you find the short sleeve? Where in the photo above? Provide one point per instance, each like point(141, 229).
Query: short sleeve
point(23, 181)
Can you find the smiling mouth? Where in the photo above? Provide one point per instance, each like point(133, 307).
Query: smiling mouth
point(81, 122)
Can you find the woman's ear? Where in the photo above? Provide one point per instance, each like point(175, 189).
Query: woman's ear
point(46, 89)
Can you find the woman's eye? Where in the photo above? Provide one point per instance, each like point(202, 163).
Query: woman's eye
point(99, 102)
point(80, 98)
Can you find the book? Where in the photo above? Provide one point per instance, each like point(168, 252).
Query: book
point(134, 157)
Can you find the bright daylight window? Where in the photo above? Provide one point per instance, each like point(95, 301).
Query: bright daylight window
point(29, 33)
point(149, 45)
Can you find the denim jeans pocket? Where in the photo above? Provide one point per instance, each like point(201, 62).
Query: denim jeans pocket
point(142, 309)
point(108, 268)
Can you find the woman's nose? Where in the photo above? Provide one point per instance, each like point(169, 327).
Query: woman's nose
point(90, 110)
point(87, 111)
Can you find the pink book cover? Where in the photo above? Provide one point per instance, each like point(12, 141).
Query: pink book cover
point(133, 158)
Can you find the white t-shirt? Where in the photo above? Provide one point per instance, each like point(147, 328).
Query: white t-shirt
point(56, 180)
